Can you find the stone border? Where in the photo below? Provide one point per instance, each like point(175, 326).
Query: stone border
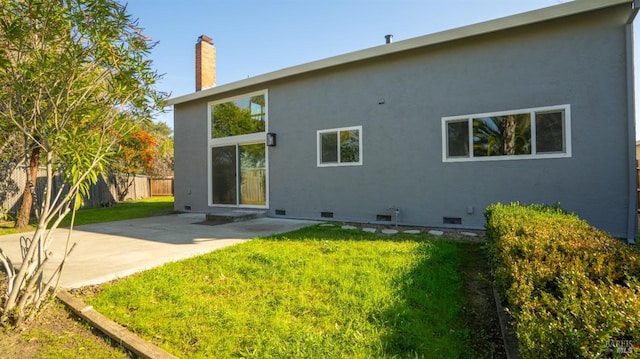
point(120, 334)
point(390, 230)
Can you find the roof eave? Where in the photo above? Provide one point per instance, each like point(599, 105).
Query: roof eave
point(504, 23)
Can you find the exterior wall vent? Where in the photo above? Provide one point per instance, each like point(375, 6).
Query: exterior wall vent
point(384, 217)
point(281, 212)
point(187, 208)
point(326, 214)
point(451, 220)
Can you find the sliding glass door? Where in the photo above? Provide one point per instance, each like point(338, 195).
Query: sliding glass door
point(223, 175)
point(252, 180)
point(238, 175)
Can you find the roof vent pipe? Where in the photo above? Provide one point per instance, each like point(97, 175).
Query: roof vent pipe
point(388, 38)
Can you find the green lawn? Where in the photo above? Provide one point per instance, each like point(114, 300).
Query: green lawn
point(320, 292)
point(146, 207)
point(7, 228)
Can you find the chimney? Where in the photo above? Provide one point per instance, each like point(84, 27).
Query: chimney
point(205, 63)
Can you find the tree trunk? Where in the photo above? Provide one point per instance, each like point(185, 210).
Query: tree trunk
point(24, 214)
point(122, 183)
point(509, 136)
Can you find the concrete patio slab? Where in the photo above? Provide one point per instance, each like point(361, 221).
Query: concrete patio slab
point(112, 250)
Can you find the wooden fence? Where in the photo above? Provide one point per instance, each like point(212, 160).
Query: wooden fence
point(103, 193)
point(161, 186)
point(252, 186)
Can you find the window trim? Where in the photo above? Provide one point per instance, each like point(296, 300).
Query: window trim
point(238, 138)
point(338, 130)
point(566, 108)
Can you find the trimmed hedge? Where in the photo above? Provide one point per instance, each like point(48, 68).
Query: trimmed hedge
point(571, 290)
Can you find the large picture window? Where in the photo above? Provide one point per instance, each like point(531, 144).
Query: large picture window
point(340, 146)
point(530, 133)
point(240, 116)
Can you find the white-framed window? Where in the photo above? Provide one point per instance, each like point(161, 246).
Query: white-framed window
point(340, 147)
point(244, 115)
point(237, 155)
point(543, 132)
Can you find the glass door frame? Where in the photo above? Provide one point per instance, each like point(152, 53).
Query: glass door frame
point(237, 144)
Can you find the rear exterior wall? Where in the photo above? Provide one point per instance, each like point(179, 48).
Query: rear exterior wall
point(578, 61)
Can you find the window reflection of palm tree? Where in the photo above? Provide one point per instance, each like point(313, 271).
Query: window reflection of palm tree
point(502, 135)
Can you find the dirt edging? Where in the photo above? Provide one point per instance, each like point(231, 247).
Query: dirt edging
point(120, 334)
point(508, 334)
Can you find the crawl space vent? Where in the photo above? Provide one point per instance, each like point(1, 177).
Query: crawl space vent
point(451, 220)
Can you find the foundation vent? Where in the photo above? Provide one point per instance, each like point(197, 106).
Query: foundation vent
point(451, 220)
point(326, 214)
point(281, 212)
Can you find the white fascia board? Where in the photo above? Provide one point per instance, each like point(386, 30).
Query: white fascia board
point(549, 13)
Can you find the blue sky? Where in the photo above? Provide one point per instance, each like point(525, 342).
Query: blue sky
point(255, 37)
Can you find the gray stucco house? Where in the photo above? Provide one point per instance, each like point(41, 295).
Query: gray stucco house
point(536, 107)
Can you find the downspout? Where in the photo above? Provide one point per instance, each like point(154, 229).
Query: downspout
point(632, 219)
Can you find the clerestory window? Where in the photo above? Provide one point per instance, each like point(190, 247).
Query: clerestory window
point(239, 116)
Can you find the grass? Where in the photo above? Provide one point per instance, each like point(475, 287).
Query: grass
point(56, 334)
point(70, 345)
point(320, 292)
point(8, 228)
point(146, 207)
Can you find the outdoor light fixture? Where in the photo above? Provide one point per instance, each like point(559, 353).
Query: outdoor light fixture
point(271, 139)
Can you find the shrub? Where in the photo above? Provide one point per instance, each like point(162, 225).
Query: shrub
point(569, 288)
point(4, 214)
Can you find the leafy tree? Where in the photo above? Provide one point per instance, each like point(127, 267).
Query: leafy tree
point(136, 154)
point(74, 78)
point(147, 150)
point(163, 162)
point(10, 158)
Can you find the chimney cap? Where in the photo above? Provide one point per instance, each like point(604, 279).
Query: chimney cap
point(388, 38)
point(206, 39)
